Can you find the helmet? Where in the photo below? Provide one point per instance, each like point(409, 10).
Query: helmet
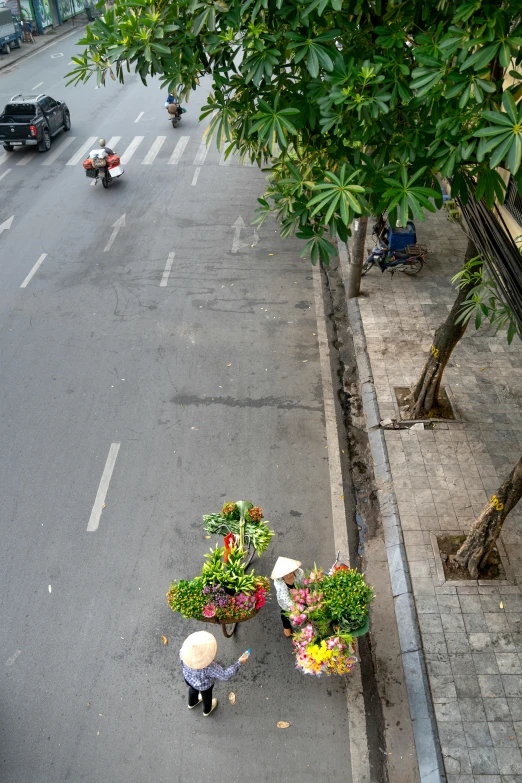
point(102, 142)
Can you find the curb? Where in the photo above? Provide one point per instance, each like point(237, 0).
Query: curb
point(429, 755)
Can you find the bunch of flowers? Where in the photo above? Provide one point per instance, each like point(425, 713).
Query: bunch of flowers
point(324, 611)
point(242, 519)
point(333, 655)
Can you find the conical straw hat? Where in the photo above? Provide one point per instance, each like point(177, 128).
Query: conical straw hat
point(199, 650)
point(284, 566)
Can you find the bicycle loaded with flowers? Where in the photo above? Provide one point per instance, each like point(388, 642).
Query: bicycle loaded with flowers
point(326, 613)
point(224, 593)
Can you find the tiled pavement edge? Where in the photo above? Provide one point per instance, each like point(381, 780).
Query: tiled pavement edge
point(461, 642)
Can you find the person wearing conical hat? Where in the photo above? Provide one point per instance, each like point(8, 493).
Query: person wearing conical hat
point(286, 575)
point(200, 670)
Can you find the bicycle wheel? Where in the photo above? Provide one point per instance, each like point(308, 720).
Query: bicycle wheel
point(413, 266)
point(228, 629)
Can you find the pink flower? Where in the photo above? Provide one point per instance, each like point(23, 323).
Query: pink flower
point(209, 610)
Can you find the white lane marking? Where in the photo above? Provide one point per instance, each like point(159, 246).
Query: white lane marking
point(201, 154)
point(58, 151)
point(6, 224)
point(34, 270)
point(13, 658)
point(196, 175)
point(228, 161)
point(71, 63)
point(94, 519)
point(76, 158)
point(113, 141)
point(357, 734)
point(36, 86)
point(131, 149)
point(54, 56)
point(179, 149)
point(120, 223)
point(25, 160)
point(6, 172)
point(168, 267)
point(138, 118)
point(151, 154)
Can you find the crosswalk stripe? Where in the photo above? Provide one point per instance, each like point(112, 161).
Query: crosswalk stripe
point(201, 154)
point(25, 160)
point(57, 151)
point(151, 154)
point(77, 157)
point(222, 161)
point(113, 141)
point(5, 156)
point(131, 149)
point(179, 150)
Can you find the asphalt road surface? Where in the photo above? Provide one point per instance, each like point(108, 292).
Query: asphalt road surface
point(204, 367)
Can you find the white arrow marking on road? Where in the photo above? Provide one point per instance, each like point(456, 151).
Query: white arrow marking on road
point(6, 224)
point(120, 223)
point(237, 244)
point(94, 519)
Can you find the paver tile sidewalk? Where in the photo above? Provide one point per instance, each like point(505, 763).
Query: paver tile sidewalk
point(471, 632)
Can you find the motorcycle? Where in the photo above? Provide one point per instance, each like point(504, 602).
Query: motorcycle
point(175, 113)
point(105, 169)
point(392, 251)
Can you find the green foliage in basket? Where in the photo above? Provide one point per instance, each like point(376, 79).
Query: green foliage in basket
point(187, 598)
point(230, 575)
point(347, 596)
point(255, 529)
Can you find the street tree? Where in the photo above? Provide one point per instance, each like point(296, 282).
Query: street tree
point(359, 107)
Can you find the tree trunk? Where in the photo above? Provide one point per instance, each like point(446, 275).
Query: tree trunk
point(484, 532)
point(425, 395)
point(356, 258)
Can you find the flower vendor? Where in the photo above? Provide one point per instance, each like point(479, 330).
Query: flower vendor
point(200, 669)
point(286, 575)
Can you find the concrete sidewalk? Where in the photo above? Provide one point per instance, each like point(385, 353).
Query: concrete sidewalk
point(433, 482)
point(77, 23)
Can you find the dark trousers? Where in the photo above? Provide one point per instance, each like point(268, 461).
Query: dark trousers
point(286, 622)
point(205, 695)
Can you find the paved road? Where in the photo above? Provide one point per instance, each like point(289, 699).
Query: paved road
point(211, 384)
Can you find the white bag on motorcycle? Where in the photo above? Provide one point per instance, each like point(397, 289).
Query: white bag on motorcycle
point(99, 158)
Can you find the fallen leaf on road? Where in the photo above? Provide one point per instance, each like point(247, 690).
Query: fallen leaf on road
point(232, 697)
point(501, 605)
point(270, 254)
point(229, 364)
point(283, 724)
point(103, 505)
point(164, 640)
point(50, 589)
point(208, 536)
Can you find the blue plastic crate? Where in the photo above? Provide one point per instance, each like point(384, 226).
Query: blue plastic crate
point(399, 238)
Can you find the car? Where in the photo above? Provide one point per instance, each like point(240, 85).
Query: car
point(33, 120)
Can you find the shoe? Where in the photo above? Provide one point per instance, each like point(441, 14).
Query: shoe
point(214, 705)
point(200, 699)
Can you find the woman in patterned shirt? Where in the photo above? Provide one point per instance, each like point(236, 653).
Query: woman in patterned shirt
point(197, 656)
point(286, 576)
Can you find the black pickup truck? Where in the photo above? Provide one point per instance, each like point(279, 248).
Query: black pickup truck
point(32, 120)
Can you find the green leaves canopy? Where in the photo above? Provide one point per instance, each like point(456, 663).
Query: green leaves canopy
point(358, 106)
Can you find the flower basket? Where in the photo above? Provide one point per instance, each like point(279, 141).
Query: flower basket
point(327, 612)
point(216, 621)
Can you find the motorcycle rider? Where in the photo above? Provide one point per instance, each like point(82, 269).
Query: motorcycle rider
point(103, 146)
point(171, 99)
